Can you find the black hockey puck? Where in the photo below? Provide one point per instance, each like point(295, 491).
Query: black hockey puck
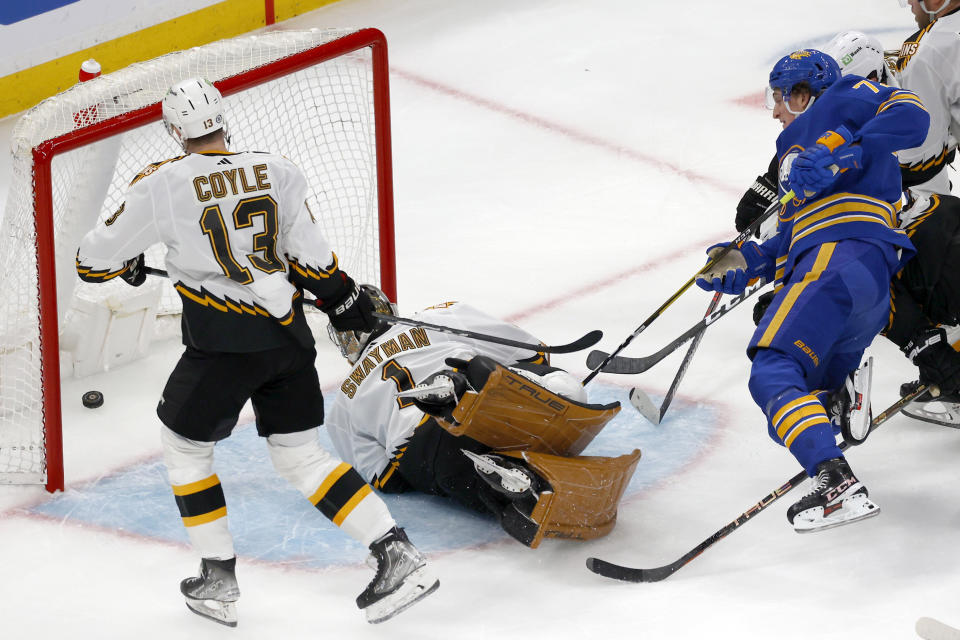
point(92, 399)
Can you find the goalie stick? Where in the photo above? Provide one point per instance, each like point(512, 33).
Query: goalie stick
point(642, 401)
point(629, 574)
point(587, 340)
point(738, 241)
point(931, 629)
point(600, 360)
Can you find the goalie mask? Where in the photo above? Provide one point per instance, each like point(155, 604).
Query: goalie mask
point(352, 343)
point(193, 108)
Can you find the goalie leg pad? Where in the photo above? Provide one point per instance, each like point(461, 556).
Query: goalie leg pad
point(513, 412)
point(580, 502)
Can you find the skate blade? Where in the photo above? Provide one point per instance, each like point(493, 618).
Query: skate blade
point(854, 509)
point(223, 612)
point(949, 417)
point(931, 629)
point(417, 586)
point(644, 405)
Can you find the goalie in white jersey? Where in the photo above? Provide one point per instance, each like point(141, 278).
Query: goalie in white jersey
point(242, 245)
point(492, 426)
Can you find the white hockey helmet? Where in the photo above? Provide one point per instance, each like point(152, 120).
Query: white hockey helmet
point(193, 108)
point(353, 343)
point(857, 53)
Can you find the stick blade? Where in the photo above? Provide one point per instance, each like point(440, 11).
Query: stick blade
point(595, 357)
point(931, 629)
point(628, 574)
point(644, 405)
point(588, 340)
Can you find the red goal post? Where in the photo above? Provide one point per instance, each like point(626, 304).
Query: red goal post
point(321, 97)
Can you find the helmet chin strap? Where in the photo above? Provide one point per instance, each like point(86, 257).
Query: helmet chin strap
point(786, 104)
point(933, 14)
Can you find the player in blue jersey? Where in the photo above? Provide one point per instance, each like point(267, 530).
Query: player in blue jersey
point(836, 248)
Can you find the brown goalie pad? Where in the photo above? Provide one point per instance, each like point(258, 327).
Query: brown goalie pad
point(583, 502)
point(513, 413)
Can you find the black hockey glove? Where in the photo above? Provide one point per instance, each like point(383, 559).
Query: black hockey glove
point(351, 309)
point(937, 360)
point(758, 198)
point(761, 307)
point(447, 389)
point(134, 274)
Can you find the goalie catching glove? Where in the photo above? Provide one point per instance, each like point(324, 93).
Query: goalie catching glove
point(734, 272)
point(440, 393)
point(938, 361)
point(817, 168)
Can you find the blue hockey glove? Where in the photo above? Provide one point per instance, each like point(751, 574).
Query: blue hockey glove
point(735, 271)
point(813, 169)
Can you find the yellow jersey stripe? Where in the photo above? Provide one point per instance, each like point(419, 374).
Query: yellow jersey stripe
point(328, 482)
point(823, 258)
point(351, 504)
point(796, 417)
point(801, 428)
point(790, 406)
point(195, 487)
point(193, 521)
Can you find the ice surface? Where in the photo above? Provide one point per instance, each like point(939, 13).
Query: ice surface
point(562, 164)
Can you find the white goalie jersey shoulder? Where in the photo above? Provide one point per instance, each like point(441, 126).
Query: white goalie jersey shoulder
point(367, 422)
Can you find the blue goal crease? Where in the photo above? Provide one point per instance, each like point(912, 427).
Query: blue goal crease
point(272, 522)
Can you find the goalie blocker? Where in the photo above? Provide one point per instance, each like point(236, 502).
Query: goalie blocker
point(525, 426)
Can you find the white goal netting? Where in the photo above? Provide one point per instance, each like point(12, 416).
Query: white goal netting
point(321, 116)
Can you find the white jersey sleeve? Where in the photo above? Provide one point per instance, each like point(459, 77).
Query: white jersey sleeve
point(929, 65)
point(368, 424)
point(130, 231)
point(303, 242)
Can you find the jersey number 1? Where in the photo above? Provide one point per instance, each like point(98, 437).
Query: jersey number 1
point(401, 377)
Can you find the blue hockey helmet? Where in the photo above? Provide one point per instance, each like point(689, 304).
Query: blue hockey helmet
point(815, 68)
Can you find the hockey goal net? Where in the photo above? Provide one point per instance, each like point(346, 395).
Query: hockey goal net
point(320, 97)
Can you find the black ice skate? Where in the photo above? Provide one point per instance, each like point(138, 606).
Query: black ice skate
point(836, 498)
point(402, 578)
point(943, 410)
point(214, 593)
point(849, 407)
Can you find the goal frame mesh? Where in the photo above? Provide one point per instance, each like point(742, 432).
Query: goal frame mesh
point(45, 152)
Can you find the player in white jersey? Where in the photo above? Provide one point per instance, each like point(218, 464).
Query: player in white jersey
point(417, 441)
point(242, 246)
point(929, 65)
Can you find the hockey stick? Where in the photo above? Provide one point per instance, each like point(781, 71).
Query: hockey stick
point(600, 360)
point(642, 401)
point(629, 574)
point(738, 241)
point(581, 343)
